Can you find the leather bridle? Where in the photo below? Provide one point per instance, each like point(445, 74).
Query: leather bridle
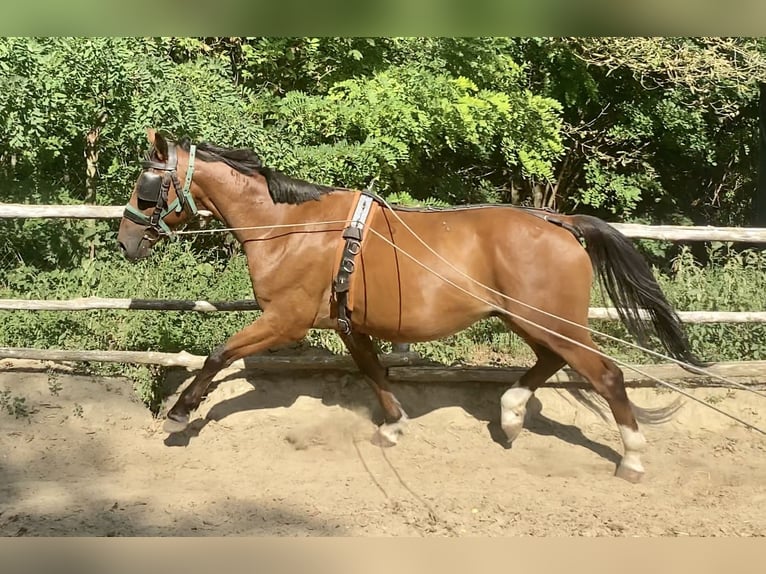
point(154, 187)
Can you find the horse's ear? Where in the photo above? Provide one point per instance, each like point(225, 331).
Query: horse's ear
point(159, 142)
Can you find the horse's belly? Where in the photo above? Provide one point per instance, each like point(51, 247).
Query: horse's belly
point(429, 330)
point(394, 309)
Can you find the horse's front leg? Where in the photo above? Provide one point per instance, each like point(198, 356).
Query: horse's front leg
point(265, 333)
point(365, 356)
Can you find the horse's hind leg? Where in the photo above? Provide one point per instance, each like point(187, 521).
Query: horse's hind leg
point(513, 404)
point(365, 356)
point(607, 379)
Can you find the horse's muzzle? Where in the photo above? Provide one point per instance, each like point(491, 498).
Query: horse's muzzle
point(135, 252)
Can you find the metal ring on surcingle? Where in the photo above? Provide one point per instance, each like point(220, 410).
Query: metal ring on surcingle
point(354, 247)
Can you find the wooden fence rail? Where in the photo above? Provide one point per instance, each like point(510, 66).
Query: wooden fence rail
point(92, 303)
point(25, 211)
point(690, 233)
point(635, 230)
point(402, 367)
point(189, 361)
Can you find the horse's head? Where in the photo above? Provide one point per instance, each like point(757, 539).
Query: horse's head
point(160, 202)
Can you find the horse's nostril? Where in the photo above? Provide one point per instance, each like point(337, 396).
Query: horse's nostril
point(122, 246)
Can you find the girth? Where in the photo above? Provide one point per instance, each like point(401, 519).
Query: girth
point(354, 236)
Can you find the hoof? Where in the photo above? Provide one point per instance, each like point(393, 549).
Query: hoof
point(629, 474)
point(512, 430)
point(388, 434)
point(381, 440)
point(173, 425)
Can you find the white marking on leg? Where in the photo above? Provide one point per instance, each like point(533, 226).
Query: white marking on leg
point(513, 408)
point(634, 443)
point(392, 431)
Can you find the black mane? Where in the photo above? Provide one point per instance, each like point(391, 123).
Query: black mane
point(282, 188)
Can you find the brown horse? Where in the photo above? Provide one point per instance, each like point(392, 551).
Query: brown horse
point(291, 232)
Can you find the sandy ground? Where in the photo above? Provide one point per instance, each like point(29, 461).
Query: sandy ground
point(293, 457)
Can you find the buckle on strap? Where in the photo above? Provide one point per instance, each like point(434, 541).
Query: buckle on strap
point(344, 325)
point(348, 265)
point(354, 247)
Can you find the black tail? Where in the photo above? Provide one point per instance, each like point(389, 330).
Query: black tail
point(629, 281)
point(646, 416)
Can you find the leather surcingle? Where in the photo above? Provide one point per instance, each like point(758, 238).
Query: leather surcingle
point(354, 236)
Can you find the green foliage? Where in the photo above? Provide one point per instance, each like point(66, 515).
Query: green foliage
point(14, 405)
point(53, 92)
point(405, 124)
point(619, 126)
point(486, 342)
point(405, 199)
point(730, 280)
point(733, 281)
point(650, 130)
point(175, 273)
point(655, 128)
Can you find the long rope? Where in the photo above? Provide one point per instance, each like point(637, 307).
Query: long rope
point(513, 315)
point(261, 227)
point(684, 364)
point(660, 355)
point(564, 337)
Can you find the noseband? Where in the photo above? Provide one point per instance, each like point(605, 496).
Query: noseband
point(153, 188)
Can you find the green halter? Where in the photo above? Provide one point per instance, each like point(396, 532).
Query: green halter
point(152, 187)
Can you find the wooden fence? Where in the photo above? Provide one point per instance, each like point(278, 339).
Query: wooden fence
point(403, 366)
point(94, 303)
point(634, 230)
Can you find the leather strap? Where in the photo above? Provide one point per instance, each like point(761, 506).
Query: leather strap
point(183, 200)
point(353, 235)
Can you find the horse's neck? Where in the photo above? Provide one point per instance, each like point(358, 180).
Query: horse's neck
point(299, 238)
point(243, 202)
point(253, 214)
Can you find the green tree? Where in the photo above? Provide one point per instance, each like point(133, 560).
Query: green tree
point(660, 129)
